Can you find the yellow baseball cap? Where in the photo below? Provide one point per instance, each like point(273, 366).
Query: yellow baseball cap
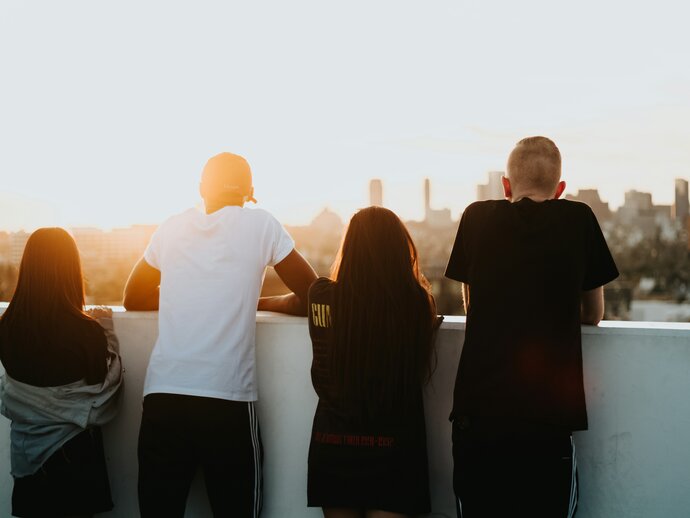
point(228, 175)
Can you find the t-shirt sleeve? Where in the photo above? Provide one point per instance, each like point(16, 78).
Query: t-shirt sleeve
point(319, 295)
point(458, 263)
point(152, 254)
point(282, 243)
point(600, 266)
point(319, 318)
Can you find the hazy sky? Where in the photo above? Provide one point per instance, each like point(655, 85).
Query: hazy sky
point(109, 110)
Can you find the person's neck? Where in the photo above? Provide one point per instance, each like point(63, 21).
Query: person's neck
point(211, 207)
point(537, 197)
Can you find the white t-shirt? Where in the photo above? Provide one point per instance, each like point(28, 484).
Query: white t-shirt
point(212, 267)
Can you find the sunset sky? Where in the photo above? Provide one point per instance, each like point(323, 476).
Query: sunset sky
point(108, 111)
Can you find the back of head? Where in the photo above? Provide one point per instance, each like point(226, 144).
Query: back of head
point(535, 165)
point(227, 179)
point(377, 253)
point(50, 284)
point(383, 316)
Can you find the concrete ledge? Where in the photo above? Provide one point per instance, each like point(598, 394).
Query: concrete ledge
point(633, 461)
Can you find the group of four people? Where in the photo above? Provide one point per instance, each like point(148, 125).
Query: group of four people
point(532, 268)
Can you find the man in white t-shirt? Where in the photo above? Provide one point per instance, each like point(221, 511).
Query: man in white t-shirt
point(203, 272)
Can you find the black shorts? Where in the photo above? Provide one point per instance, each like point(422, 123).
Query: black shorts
point(180, 434)
point(514, 474)
point(73, 481)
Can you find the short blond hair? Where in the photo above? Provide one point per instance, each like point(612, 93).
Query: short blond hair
point(535, 163)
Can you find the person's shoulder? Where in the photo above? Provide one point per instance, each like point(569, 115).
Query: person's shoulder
point(573, 208)
point(486, 206)
point(574, 205)
point(83, 329)
point(90, 326)
point(320, 288)
point(180, 217)
point(479, 212)
point(258, 215)
point(254, 212)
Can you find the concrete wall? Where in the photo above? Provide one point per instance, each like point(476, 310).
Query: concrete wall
point(634, 461)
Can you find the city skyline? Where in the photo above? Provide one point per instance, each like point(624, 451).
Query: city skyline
point(429, 206)
point(434, 214)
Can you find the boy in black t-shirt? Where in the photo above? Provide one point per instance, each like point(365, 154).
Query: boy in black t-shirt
point(533, 269)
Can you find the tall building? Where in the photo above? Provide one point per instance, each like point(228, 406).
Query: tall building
point(432, 217)
point(327, 221)
point(681, 207)
point(427, 197)
point(376, 192)
point(591, 197)
point(493, 189)
point(637, 205)
point(17, 244)
point(643, 219)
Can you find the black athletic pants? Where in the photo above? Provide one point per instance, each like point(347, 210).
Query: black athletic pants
point(178, 435)
point(514, 474)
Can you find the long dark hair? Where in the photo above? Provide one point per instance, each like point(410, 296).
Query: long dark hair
point(383, 317)
point(50, 287)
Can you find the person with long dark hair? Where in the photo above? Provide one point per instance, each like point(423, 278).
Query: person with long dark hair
point(372, 327)
point(61, 383)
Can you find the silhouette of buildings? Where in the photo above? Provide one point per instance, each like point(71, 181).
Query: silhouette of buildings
point(434, 217)
point(493, 189)
point(681, 207)
point(98, 247)
point(5, 246)
point(17, 243)
point(591, 197)
point(376, 193)
point(107, 256)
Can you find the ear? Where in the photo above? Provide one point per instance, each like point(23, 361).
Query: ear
point(250, 195)
point(559, 190)
point(507, 190)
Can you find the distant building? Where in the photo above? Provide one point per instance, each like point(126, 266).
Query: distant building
point(5, 247)
point(433, 217)
point(376, 192)
point(643, 219)
point(98, 248)
point(591, 197)
point(327, 222)
point(17, 244)
point(318, 242)
point(127, 243)
point(493, 189)
point(637, 205)
point(90, 244)
point(681, 207)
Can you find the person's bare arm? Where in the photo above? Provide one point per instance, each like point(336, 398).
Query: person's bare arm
point(297, 274)
point(466, 296)
point(142, 288)
point(592, 306)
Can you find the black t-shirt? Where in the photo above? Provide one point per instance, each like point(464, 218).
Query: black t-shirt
point(526, 264)
point(328, 412)
point(76, 349)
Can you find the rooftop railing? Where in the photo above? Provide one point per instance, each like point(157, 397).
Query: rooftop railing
point(634, 461)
